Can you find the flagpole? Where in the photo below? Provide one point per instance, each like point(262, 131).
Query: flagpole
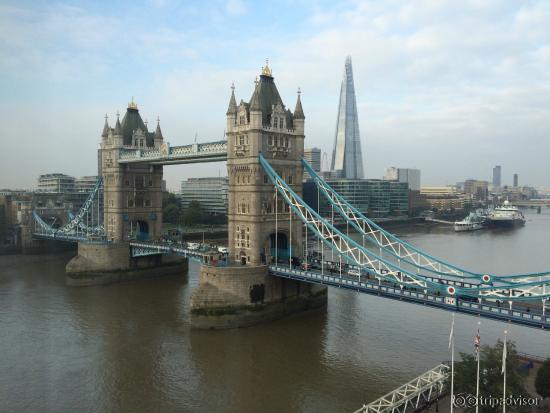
point(504, 355)
point(477, 380)
point(452, 343)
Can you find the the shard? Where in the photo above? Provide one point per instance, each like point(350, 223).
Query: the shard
point(347, 158)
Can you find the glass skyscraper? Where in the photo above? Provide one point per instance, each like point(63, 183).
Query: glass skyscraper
point(347, 158)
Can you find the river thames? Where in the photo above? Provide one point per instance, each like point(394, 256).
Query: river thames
point(128, 347)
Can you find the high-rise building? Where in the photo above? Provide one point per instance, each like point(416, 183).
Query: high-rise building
point(497, 173)
point(478, 190)
point(411, 176)
point(347, 158)
point(210, 193)
point(313, 157)
point(516, 180)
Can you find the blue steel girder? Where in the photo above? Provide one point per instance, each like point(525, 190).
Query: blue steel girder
point(364, 284)
point(75, 229)
point(165, 155)
point(354, 253)
point(401, 250)
point(140, 249)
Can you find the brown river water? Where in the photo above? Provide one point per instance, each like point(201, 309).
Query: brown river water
point(129, 348)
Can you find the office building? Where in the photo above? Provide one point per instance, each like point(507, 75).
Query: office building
point(516, 180)
point(210, 193)
point(347, 158)
point(375, 198)
point(477, 190)
point(410, 176)
point(497, 174)
point(56, 183)
point(313, 157)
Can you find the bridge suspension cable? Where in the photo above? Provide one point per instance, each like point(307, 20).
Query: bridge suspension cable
point(355, 254)
point(80, 225)
point(401, 250)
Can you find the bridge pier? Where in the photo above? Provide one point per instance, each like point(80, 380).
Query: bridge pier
point(241, 296)
point(98, 264)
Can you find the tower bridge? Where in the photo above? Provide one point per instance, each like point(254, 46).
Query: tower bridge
point(268, 229)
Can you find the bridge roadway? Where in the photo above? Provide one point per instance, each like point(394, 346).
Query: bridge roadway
point(521, 314)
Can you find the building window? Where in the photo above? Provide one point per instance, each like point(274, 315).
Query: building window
point(265, 179)
point(139, 201)
point(241, 120)
point(286, 142)
point(150, 181)
point(147, 202)
point(130, 203)
point(275, 122)
point(290, 179)
point(281, 123)
point(241, 140)
point(270, 140)
point(127, 182)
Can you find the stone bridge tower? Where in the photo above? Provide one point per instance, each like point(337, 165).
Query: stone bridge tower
point(132, 193)
point(266, 125)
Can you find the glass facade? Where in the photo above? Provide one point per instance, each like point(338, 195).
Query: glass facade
point(347, 158)
point(375, 198)
point(210, 193)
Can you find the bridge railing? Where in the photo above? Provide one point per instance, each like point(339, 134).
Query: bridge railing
point(208, 151)
point(422, 389)
point(368, 284)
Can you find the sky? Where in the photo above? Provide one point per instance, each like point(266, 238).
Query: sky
point(450, 87)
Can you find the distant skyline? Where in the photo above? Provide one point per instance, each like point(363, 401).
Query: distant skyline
point(451, 88)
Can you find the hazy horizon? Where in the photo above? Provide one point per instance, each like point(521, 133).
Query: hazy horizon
point(450, 88)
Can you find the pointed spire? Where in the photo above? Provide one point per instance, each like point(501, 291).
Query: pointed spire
point(105, 127)
point(158, 132)
point(232, 109)
point(255, 100)
point(298, 111)
point(118, 128)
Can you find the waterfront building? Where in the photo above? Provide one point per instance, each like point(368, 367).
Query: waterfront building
point(443, 198)
point(375, 198)
point(410, 176)
point(497, 175)
point(210, 193)
point(516, 180)
point(85, 184)
point(56, 183)
point(347, 158)
point(477, 190)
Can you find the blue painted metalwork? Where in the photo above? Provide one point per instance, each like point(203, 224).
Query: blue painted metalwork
point(76, 230)
point(141, 249)
point(531, 318)
point(401, 250)
point(354, 253)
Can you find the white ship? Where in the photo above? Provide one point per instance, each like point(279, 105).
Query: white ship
point(471, 223)
point(506, 215)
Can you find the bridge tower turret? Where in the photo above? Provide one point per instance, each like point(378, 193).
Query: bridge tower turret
point(132, 194)
point(263, 125)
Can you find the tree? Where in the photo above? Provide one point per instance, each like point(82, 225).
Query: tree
point(542, 381)
point(171, 214)
point(490, 375)
point(192, 215)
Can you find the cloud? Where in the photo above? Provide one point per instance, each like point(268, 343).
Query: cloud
point(466, 80)
point(235, 7)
